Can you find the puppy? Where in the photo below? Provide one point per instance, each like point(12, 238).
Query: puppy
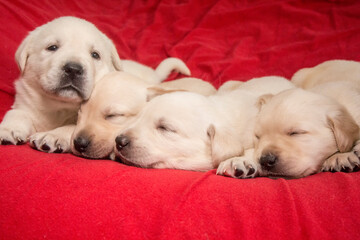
point(302, 132)
point(328, 71)
point(184, 130)
point(116, 100)
point(59, 62)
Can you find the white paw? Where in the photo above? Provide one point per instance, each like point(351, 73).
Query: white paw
point(342, 162)
point(49, 142)
point(238, 167)
point(14, 136)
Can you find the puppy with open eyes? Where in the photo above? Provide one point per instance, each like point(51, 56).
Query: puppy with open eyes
point(185, 130)
point(60, 62)
point(114, 104)
point(299, 133)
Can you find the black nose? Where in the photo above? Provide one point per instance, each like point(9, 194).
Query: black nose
point(268, 161)
point(73, 69)
point(81, 143)
point(121, 142)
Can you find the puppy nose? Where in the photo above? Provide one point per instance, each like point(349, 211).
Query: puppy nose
point(73, 69)
point(268, 161)
point(121, 142)
point(81, 143)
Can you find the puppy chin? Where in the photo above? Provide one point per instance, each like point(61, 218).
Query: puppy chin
point(94, 150)
point(137, 160)
point(98, 154)
point(287, 171)
point(70, 94)
point(119, 157)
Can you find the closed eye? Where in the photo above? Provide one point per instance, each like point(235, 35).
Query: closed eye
point(113, 116)
point(165, 128)
point(293, 133)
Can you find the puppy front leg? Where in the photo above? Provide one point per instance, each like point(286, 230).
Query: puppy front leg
point(343, 162)
point(16, 127)
point(53, 141)
point(239, 167)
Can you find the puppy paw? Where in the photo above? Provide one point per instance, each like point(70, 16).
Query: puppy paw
point(15, 137)
point(48, 142)
point(238, 167)
point(342, 162)
point(356, 148)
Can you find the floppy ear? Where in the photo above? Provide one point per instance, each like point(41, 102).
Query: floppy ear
point(263, 99)
point(222, 146)
point(157, 91)
point(115, 59)
point(345, 129)
point(22, 53)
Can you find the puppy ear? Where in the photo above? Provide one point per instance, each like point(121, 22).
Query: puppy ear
point(115, 59)
point(263, 99)
point(157, 91)
point(222, 146)
point(345, 129)
point(22, 53)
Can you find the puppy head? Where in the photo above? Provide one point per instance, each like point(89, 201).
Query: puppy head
point(65, 57)
point(115, 101)
point(297, 131)
point(170, 132)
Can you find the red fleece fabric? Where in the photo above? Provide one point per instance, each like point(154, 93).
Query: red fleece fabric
point(60, 196)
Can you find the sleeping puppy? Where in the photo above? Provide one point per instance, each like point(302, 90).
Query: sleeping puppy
point(59, 62)
point(328, 71)
point(303, 132)
point(116, 100)
point(184, 130)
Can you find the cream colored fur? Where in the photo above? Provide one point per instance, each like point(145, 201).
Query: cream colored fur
point(189, 131)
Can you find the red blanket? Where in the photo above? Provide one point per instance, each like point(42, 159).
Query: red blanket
point(60, 196)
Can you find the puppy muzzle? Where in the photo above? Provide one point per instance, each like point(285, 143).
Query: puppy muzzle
point(72, 80)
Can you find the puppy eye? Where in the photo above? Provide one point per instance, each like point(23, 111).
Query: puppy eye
point(257, 136)
point(165, 128)
point(113, 116)
point(52, 48)
point(95, 55)
point(296, 133)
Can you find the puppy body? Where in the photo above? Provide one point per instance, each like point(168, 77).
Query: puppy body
point(328, 71)
point(188, 131)
point(60, 62)
point(258, 86)
point(179, 130)
point(313, 131)
point(190, 84)
point(116, 100)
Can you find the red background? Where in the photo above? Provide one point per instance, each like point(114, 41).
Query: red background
point(60, 196)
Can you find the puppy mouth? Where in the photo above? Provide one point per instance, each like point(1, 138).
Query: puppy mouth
point(122, 159)
point(70, 88)
point(100, 153)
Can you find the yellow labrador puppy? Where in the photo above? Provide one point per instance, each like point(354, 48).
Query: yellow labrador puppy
point(303, 132)
point(115, 102)
point(328, 71)
point(185, 130)
point(60, 62)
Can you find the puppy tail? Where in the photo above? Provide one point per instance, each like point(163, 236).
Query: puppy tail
point(168, 65)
